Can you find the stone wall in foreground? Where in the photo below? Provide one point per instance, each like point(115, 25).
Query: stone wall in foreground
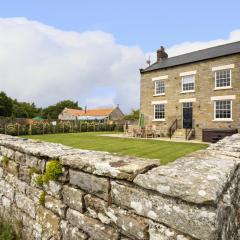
point(101, 196)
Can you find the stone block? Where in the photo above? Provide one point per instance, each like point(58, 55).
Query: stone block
point(24, 174)
point(8, 152)
point(73, 198)
point(130, 224)
point(25, 204)
point(95, 229)
point(33, 193)
point(19, 185)
point(55, 206)
point(54, 189)
point(7, 189)
point(6, 202)
point(90, 183)
point(192, 220)
point(12, 168)
point(49, 221)
point(35, 162)
point(199, 179)
point(70, 232)
point(161, 232)
point(110, 165)
point(20, 158)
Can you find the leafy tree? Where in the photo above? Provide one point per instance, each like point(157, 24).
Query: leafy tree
point(24, 109)
point(134, 115)
point(53, 111)
point(6, 105)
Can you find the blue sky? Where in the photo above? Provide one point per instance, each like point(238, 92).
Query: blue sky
point(135, 22)
point(91, 51)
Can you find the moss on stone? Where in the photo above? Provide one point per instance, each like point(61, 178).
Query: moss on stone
point(39, 180)
point(33, 170)
point(41, 199)
point(5, 160)
point(52, 173)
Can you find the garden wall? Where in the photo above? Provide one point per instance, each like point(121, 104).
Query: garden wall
point(101, 196)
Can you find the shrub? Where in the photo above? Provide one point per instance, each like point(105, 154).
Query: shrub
point(33, 170)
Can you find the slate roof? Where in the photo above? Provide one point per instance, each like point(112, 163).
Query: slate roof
point(208, 53)
point(90, 112)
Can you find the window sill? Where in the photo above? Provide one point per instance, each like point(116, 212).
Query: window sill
point(221, 88)
point(159, 120)
point(190, 91)
point(156, 95)
point(223, 120)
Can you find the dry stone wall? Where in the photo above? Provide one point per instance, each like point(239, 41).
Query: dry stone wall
point(102, 196)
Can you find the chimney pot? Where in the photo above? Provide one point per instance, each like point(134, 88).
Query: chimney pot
point(161, 54)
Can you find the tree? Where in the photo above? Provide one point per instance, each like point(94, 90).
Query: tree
point(6, 105)
point(134, 115)
point(54, 110)
point(24, 109)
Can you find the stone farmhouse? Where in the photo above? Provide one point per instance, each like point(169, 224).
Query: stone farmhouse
point(195, 94)
point(103, 115)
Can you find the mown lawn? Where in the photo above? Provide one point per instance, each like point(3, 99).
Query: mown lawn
point(164, 151)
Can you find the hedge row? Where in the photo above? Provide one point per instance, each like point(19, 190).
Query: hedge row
point(61, 127)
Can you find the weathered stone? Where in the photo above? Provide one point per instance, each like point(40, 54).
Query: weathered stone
point(26, 204)
point(129, 223)
point(73, 198)
point(49, 221)
point(12, 168)
point(55, 206)
point(20, 157)
point(92, 184)
point(7, 189)
point(36, 163)
point(20, 186)
point(33, 193)
point(24, 174)
point(105, 164)
point(53, 188)
point(193, 179)
point(6, 202)
point(71, 233)
point(92, 227)
point(161, 232)
point(192, 220)
point(1, 172)
point(9, 153)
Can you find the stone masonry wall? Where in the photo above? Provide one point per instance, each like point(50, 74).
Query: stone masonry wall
point(203, 107)
point(102, 196)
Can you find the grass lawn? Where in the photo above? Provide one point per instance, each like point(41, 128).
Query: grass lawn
point(163, 150)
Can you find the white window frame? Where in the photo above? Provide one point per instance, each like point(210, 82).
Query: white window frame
point(192, 90)
point(215, 80)
point(223, 119)
point(155, 88)
point(159, 119)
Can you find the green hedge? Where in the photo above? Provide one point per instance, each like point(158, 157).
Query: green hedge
point(61, 127)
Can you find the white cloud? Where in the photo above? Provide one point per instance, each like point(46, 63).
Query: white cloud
point(43, 64)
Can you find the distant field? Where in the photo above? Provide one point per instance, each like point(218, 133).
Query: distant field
point(164, 151)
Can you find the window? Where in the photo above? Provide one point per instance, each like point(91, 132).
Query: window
point(159, 112)
point(188, 83)
point(223, 109)
point(160, 87)
point(223, 78)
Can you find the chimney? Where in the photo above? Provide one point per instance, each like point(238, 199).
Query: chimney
point(85, 109)
point(161, 54)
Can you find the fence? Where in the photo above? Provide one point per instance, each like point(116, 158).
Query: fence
point(16, 129)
